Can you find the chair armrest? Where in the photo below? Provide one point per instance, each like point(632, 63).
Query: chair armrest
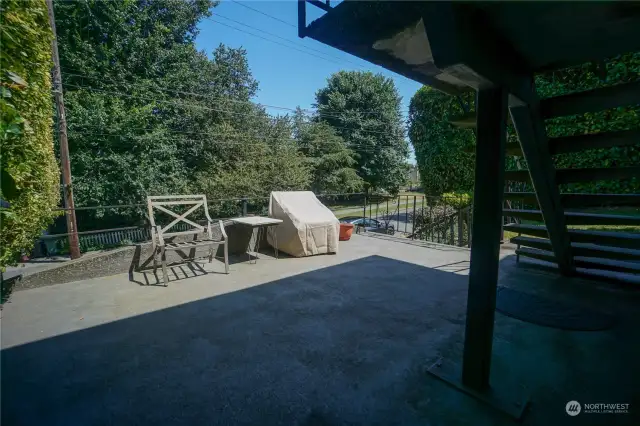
point(222, 231)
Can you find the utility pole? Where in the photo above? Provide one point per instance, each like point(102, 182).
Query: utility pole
point(72, 230)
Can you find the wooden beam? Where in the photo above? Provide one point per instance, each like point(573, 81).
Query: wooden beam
point(582, 249)
point(595, 174)
point(606, 238)
point(466, 121)
point(583, 262)
point(324, 6)
point(535, 147)
point(302, 18)
point(581, 143)
point(465, 46)
point(517, 175)
point(599, 200)
point(514, 149)
point(577, 143)
point(571, 200)
point(590, 174)
point(591, 100)
point(483, 273)
point(574, 218)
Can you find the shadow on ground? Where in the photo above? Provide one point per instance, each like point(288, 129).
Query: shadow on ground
point(347, 344)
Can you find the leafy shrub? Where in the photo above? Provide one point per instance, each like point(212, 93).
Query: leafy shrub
point(457, 200)
point(30, 179)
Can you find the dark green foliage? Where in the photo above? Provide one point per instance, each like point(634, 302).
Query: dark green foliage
point(439, 146)
point(29, 173)
point(619, 70)
point(331, 162)
point(364, 108)
point(149, 114)
point(441, 149)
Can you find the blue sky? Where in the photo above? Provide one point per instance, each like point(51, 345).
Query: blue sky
point(289, 69)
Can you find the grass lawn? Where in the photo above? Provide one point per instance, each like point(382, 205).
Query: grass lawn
point(376, 210)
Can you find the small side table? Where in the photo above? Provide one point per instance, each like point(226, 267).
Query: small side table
point(263, 224)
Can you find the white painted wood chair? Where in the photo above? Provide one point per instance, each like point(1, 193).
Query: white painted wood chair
point(159, 233)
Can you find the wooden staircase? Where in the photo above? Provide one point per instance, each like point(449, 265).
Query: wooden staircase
point(590, 252)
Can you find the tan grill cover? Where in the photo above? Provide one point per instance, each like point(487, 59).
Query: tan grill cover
point(307, 228)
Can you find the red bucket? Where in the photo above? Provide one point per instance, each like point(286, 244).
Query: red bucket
point(345, 231)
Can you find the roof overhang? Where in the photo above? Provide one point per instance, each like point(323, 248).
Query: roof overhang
point(461, 46)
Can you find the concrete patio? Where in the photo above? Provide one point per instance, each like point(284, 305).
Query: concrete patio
point(325, 340)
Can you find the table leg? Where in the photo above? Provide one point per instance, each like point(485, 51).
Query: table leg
point(256, 244)
point(275, 240)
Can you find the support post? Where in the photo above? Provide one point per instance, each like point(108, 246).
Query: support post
point(487, 213)
point(244, 207)
point(302, 18)
point(65, 165)
point(413, 225)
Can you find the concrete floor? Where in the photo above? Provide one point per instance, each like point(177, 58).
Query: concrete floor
point(327, 340)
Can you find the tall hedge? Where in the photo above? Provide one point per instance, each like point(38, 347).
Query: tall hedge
point(442, 151)
point(446, 164)
point(30, 177)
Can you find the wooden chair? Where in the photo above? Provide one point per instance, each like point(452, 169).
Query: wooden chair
point(158, 233)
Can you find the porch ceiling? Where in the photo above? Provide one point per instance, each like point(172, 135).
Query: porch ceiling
point(448, 45)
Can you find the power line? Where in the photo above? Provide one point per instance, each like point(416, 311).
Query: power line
point(273, 41)
point(285, 39)
point(283, 108)
point(356, 147)
point(187, 105)
point(264, 13)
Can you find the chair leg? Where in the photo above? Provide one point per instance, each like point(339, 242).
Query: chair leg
point(211, 254)
point(155, 260)
point(163, 259)
point(226, 258)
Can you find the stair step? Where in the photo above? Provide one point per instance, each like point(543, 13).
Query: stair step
point(584, 262)
point(581, 143)
point(514, 148)
point(468, 120)
point(579, 175)
point(571, 200)
point(574, 218)
point(606, 238)
point(591, 100)
point(595, 174)
point(582, 249)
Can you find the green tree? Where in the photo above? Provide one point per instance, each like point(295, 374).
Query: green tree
point(150, 114)
point(442, 150)
point(364, 108)
point(332, 163)
point(29, 173)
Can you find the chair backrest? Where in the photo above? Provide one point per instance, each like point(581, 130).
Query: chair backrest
point(159, 203)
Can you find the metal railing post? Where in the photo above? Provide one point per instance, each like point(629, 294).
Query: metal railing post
point(413, 226)
point(406, 213)
point(460, 229)
point(364, 215)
